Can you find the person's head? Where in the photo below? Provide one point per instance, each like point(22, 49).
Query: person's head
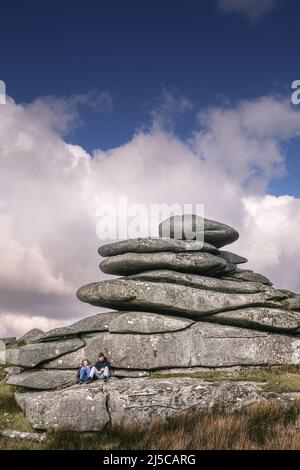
point(101, 357)
point(84, 362)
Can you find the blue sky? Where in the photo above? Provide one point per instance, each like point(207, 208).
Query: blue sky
point(162, 101)
point(137, 49)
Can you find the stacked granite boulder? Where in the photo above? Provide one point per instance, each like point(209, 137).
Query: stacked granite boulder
point(181, 305)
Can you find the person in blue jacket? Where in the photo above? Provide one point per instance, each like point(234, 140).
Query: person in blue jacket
point(84, 371)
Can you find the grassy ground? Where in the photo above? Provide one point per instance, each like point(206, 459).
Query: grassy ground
point(276, 379)
point(261, 426)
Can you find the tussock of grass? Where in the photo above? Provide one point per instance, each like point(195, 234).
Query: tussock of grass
point(261, 426)
point(287, 382)
point(264, 425)
point(10, 414)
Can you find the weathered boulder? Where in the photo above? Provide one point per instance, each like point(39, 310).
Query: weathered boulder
point(203, 282)
point(169, 298)
point(32, 335)
point(34, 354)
point(202, 344)
point(72, 360)
point(247, 275)
point(188, 226)
point(98, 322)
point(261, 318)
point(73, 409)
point(192, 262)
point(147, 323)
point(136, 322)
point(152, 245)
point(43, 379)
point(130, 322)
point(137, 401)
point(183, 307)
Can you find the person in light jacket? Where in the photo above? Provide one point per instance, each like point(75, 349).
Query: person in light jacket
point(101, 369)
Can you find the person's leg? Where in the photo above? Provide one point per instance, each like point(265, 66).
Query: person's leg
point(105, 374)
point(92, 372)
point(81, 375)
point(97, 374)
point(86, 375)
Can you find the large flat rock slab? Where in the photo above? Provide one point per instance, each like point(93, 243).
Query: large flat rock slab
point(197, 263)
point(147, 323)
point(34, 354)
point(137, 401)
point(152, 245)
point(43, 379)
point(98, 322)
point(201, 282)
point(202, 344)
point(118, 322)
point(191, 227)
point(262, 318)
point(129, 294)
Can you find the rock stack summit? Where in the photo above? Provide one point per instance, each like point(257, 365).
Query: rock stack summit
point(181, 309)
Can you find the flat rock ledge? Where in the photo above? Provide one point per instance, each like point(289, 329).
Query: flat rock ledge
point(138, 401)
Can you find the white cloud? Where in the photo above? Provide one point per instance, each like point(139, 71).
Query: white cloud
point(246, 140)
point(253, 9)
point(62, 114)
point(271, 227)
point(50, 192)
point(18, 323)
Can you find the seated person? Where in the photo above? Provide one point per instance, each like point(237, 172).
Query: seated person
point(84, 371)
point(101, 370)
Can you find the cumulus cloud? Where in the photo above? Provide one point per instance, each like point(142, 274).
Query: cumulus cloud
point(246, 140)
point(252, 9)
point(51, 191)
point(62, 114)
point(271, 225)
